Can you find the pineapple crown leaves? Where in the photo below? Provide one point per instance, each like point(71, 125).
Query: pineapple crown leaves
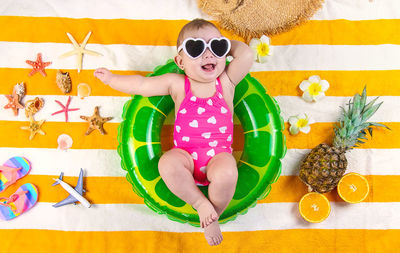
point(352, 128)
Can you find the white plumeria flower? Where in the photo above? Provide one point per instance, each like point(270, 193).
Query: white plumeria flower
point(300, 123)
point(261, 48)
point(314, 88)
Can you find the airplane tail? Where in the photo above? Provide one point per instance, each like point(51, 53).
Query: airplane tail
point(61, 177)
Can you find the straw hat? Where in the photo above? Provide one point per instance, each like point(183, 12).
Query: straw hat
point(253, 18)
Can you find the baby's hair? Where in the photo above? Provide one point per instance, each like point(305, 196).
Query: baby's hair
point(195, 24)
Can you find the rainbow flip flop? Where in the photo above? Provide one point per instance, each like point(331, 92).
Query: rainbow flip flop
point(13, 169)
point(21, 201)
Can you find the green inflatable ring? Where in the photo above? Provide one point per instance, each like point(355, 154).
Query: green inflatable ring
point(139, 147)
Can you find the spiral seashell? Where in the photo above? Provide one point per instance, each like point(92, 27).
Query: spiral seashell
point(33, 106)
point(19, 89)
point(63, 81)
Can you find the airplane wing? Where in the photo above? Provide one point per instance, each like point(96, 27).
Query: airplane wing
point(79, 185)
point(69, 200)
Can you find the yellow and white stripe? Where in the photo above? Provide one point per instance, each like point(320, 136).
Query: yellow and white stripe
point(124, 217)
point(348, 43)
point(284, 58)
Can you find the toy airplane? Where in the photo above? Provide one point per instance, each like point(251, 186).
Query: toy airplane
point(75, 194)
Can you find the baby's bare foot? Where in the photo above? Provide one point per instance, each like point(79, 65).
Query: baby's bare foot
point(207, 213)
point(213, 234)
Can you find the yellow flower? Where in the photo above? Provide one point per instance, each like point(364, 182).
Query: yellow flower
point(300, 123)
point(261, 48)
point(314, 88)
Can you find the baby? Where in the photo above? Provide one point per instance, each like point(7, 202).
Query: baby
point(203, 131)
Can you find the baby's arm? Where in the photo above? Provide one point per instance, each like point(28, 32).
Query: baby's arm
point(137, 84)
point(241, 63)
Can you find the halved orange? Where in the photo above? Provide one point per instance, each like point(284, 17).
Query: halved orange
point(314, 207)
point(353, 187)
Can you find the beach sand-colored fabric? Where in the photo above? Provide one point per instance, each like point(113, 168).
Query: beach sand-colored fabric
point(348, 43)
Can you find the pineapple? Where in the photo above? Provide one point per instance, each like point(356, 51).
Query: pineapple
point(325, 165)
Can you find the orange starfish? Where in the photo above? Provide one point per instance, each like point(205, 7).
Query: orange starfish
point(96, 121)
point(38, 65)
point(34, 127)
point(13, 103)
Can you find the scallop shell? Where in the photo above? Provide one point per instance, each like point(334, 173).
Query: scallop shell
point(63, 81)
point(64, 142)
point(84, 90)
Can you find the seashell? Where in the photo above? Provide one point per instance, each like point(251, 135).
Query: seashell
point(63, 81)
point(19, 89)
point(84, 90)
point(33, 106)
point(64, 142)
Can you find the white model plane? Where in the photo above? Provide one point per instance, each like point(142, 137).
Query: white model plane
point(75, 193)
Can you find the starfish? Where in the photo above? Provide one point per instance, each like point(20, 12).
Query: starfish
point(96, 121)
point(79, 50)
point(65, 108)
point(13, 103)
point(38, 65)
point(34, 128)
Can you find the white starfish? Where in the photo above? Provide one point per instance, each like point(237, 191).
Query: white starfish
point(79, 50)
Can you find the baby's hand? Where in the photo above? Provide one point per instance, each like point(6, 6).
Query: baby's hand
point(104, 75)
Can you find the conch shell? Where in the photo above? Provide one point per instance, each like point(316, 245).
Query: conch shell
point(33, 106)
point(19, 89)
point(63, 81)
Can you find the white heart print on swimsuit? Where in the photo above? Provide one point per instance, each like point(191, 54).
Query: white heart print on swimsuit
point(200, 110)
point(194, 124)
point(213, 143)
point(223, 129)
point(206, 135)
point(212, 120)
point(205, 128)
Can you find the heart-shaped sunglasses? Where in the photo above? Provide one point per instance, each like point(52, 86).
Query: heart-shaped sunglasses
point(195, 47)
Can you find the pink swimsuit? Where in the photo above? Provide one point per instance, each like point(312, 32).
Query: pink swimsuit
point(203, 128)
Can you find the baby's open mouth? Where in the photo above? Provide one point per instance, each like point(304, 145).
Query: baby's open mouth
point(208, 67)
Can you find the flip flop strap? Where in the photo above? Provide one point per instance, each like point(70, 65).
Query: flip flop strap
point(8, 205)
point(13, 172)
point(12, 199)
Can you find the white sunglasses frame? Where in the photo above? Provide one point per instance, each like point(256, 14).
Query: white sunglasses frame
point(207, 45)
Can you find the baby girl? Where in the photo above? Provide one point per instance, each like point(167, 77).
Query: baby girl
point(203, 131)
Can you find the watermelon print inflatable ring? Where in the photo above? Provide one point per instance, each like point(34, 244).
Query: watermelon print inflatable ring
point(259, 166)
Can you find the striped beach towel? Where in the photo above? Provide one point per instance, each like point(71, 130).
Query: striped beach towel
point(349, 43)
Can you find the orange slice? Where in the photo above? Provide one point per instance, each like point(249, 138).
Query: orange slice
point(83, 90)
point(314, 207)
point(353, 188)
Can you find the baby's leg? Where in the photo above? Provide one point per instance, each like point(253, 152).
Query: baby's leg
point(176, 169)
point(222, 174)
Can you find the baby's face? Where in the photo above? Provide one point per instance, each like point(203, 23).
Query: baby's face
point(207, 67)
